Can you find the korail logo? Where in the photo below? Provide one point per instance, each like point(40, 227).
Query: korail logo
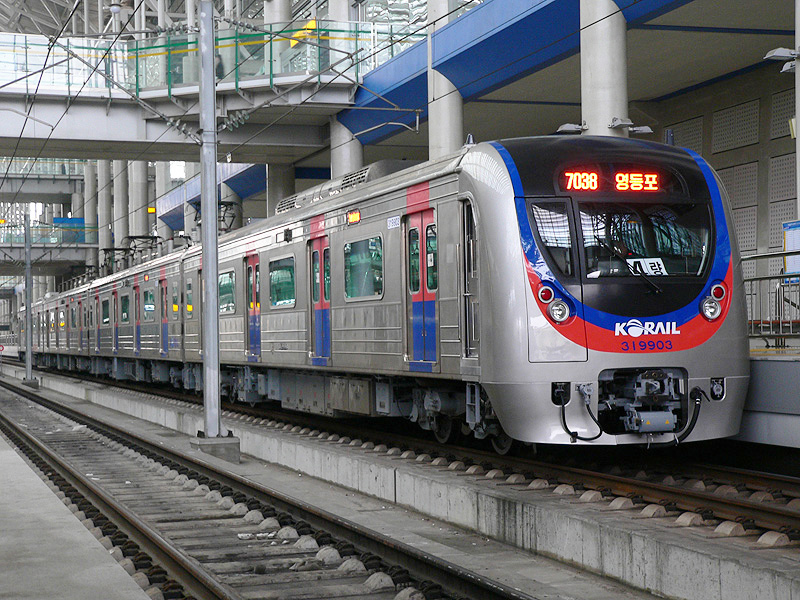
point(636, 328)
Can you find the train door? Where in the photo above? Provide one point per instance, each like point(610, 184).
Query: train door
point(137, 320)
point(422, 274)
point(80, 325)
point(253, 312)
point(115, 316)
point(164, 318)
point(97, 322)
point(471, 298)
point(320, 301)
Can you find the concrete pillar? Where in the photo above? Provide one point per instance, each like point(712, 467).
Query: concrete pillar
point(88, 209)
point(138, 200)
point(230, 209)
point(121, 211)
point(280, 185)
point(797, 101)
point(190, 226)
point(276, 12)
point(163, 230)
point(445, 105)
point(604, 64)
point(339, 10)
point(347, 153)
point(104, 211)
point(191, 61)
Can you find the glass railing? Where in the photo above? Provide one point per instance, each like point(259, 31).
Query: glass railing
point(42, 166)
point(49, 234)
point(169, 61)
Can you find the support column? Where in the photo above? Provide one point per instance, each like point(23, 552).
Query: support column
point(277, 12)
point(191, 62)
point(163, 230)
point(121, 212)
point(230, 208)
point(347, 153)
point(445, 105)
point(190, 226)
point(49, 281)
point(797, 102)
point(138, 201)
point(280, 185)
point(88, 209)
point(604, 64)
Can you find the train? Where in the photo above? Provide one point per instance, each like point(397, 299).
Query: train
point(545, 290)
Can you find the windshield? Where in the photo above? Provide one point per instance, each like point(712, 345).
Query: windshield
point(626, 239)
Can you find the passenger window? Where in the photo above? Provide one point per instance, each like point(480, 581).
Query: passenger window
point(552, 224)
point(189, 300)
point(124, 309)
point(61, 322)
point(249, 286)
point(315, 276)
point(413, 260)
point(363, 268)
point(258, 287)
point(149, 305)
point(227, 292)
point(72, 318)
point(326, 274)
point(432, 257)
point(176, 302)
point(281, 282)
point(106, 312)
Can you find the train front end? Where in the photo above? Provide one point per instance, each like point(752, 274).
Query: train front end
point(633, 317)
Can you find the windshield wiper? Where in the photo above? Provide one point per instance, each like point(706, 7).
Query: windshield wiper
point(656, 288)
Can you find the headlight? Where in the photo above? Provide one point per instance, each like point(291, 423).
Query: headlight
point(558, 311)
point(710, 308)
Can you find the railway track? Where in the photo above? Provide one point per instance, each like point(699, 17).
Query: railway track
point(219, 535)
point(751, 499)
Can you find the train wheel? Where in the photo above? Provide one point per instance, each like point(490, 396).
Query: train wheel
point(445, 429)
point(502, 443)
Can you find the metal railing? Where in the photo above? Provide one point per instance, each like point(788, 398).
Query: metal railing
point(168, 61)
point(773, 303)
point(42, 167)
point(57, 235)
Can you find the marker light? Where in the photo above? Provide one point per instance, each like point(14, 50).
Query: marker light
point(718, 291)
point(710, 308)
point(546, 294)
point(558, 311)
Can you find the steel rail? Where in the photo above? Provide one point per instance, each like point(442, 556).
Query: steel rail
point(191, 575)
point(419, 563)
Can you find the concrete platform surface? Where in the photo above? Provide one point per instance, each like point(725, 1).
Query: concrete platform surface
point(45, 551)
point(537, 576)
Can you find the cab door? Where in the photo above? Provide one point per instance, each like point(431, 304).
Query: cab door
point(320, 301)
point(253, 312)
point(422, 279)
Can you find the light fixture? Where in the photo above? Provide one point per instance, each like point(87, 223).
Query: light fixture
point(115, 7)
point(785, 54)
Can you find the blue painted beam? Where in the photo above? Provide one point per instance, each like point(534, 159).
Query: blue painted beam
point(492, 45)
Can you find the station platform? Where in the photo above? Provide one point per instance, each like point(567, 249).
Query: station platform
point(45, 551)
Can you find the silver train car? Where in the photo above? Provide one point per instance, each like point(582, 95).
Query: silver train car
point(547, 290)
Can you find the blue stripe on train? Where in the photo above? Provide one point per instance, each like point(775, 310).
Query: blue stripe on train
point(322, 332)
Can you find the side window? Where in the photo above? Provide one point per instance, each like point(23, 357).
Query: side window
point(258, 287)
point(106, 312)
point(176, 304)
point(432, 257)
point(61, 322)
point(249, 286)
point(124, 309)
point(315, 276)
point(163, 287)
point(413, 260)
point(72, 318)
point(281, 282)
point(326, 274)
point(149, 305)
point(227, 292)
point(363, 268)
point(189, 300)
point(552, 223)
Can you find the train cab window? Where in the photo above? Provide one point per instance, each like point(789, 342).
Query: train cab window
point(622, 240)
point(413, 260)
point(124, 309)
point(552, 223)
point(281, 282)
point(227, 292)
point(326, 274)
point(149, 305)
point(189, 300)
point(176, 306)
point(363, 268)
point(315, 276)
point(106, 312)
point(432, 257)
